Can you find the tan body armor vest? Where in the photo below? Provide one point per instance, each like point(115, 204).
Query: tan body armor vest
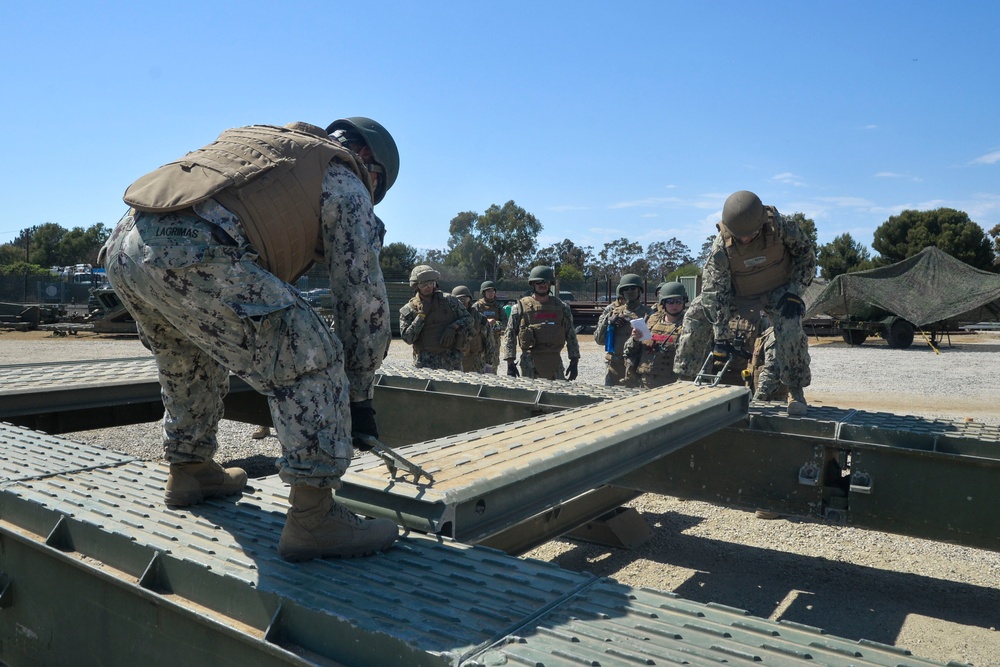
point(438, 318)
point(760, 266)
point(270, 177)
point(543, 328)
point(657, 358)
point(623, 333)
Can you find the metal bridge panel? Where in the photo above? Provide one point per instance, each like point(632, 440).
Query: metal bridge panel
point(612, 625)
point(425, 597)
point(488, 480)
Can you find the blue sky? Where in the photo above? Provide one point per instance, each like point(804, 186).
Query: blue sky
point(604, 120)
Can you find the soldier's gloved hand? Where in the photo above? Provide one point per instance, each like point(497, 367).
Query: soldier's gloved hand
point(448, 337)
point(363, 422)
point(572, 371)
point(722, 351)
point(512, 369)
point(791, 306)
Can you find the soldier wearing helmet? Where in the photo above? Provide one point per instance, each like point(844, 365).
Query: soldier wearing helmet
point(480, 344)
point(435, 324)
point(759, 262)
point(496, 317)
point(614, 326)
point(542, 325)
point(649, 361)
point(204, 262)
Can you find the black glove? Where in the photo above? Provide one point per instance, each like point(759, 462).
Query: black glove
point(722, 351)
point(363, 422)
point(791, 306)
point(512, 369)
point(448, 337)
point(572, 371)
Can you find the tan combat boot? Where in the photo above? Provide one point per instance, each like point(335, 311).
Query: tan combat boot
point(796, 402)
point(261, 432)
point(190, 483)
point(317, 526)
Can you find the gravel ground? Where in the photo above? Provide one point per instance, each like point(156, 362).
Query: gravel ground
point(940, 601)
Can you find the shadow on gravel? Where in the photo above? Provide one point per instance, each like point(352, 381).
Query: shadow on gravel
point(851, 601)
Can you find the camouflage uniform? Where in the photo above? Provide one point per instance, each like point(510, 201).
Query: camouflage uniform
point(650, 363)
point(480, 345)
point(708, 317)
point(192, 281)
point(496, 317)
point(766, 383)
point(552, 360)
point(432, 354)
point(622, 312)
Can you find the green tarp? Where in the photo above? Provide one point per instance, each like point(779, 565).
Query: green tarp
point(929, 287)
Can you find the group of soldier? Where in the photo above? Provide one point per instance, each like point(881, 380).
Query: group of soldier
point(206, 256)
point(744, 327)
point(450, 332)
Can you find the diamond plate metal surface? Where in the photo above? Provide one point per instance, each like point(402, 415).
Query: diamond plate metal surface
point(425, 601)
point(25, 454)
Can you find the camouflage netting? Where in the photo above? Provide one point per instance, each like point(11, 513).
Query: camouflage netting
point(929, 287)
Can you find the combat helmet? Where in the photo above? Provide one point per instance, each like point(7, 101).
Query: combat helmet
point(379, 140)
point(487, 284)
point(668, 290)
point(461, 290)
point(743, 214)
point(423, 272)
point(541, 273)
point(629, 280)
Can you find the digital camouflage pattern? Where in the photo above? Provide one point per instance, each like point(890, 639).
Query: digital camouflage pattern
point(474, 356)
point(709, 315)
point(766, 385)
point(616, 318)
point(191, 281)
point(411, 325)
point(552, 361)
point(497, 317)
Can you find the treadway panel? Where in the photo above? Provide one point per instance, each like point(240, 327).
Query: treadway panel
point(492, 478)
point(426, 601)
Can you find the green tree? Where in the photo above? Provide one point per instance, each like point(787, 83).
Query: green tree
point(466, 253)
point(842, 255)
point(666, 256)
point(995, 235)
point(80, 246)
point(564, 253)
point(396, 260)
point(619, 257)
point(510, 233)
point(21, 268)
point(569, 274)
point(951, 231)
point(706, 250)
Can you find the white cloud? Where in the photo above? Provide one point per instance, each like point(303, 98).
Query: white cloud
point(788, 178)
point(892, 174)
point(989, 158)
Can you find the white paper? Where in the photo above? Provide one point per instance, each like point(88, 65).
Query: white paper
point(640, 326)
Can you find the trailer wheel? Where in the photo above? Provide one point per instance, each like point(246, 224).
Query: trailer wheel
point(854, 336)
point(900, 334)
